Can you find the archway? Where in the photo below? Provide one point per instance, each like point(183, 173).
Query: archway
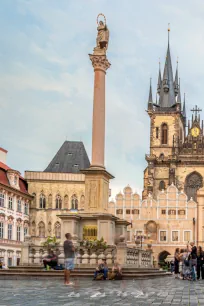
point(194, 181)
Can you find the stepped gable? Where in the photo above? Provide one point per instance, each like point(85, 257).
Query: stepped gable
point(70, 158)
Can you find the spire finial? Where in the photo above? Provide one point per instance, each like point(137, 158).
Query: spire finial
point(168, 32)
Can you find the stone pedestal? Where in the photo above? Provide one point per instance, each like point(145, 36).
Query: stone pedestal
point(25, 251)
point(96, 189)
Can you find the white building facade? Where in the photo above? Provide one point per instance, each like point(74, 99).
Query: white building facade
point(14, 213)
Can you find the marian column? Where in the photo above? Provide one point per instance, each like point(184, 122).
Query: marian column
point(100, 64)
point(96, 177)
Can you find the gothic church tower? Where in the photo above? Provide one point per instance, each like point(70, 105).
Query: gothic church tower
point(174, 157)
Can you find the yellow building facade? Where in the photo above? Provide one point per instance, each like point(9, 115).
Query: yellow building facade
point(57, 190)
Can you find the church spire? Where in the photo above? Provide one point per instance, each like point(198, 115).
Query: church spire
point(167, 94)
point(176, 84)
point(179, 93)
point(150, 100)
point(184, 106)
point(159, 84)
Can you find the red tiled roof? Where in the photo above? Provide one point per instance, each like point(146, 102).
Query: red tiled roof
point(3, 166)
point(3, 150)
point(4, 180)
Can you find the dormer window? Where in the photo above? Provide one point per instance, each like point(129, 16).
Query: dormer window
point(13, 177)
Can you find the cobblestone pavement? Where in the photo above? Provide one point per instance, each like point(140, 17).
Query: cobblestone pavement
point(161, 291)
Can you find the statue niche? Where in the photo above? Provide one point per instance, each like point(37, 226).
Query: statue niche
point(194, 181)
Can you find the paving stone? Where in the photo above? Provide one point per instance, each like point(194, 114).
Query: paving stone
point(160, 291)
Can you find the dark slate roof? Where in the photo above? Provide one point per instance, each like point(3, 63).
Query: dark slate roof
point(70, 158)
point(167, 99)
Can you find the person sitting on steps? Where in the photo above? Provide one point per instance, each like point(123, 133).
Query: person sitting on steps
point(101, 269)
point(50, 260)
point(116, 273)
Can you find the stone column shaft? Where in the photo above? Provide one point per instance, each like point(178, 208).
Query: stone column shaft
point(100, 64)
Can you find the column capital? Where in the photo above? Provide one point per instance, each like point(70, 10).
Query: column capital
point(99, 62)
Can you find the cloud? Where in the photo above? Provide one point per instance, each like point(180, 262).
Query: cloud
point(46, 77)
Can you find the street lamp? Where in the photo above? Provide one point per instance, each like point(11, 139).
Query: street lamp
point(141, 237)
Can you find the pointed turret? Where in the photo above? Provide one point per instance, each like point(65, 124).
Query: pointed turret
point(167, 94)
point(184, 106)
point(150, 100)
point(179, 93)
point(176, 84)
point(159, 84)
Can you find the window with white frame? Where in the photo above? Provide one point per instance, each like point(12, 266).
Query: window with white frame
point(1, 230)
point(187, 236)
point(175, 236)
point(19, 206)
point(26, 209)
point(25, 231)
point(163, 236)
point(10, 203)
point(1, 200)
point(18, 233)
point(10, 231)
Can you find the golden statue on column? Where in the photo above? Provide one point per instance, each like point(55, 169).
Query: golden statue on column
point(102, 37)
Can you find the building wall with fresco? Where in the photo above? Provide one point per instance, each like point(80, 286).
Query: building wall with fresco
point(168, 222)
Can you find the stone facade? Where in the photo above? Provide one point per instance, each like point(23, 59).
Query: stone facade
point(170, 221)
point(54, 194)
point(176, 154)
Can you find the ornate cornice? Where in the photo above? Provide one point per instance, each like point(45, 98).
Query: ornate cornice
point(99, 62)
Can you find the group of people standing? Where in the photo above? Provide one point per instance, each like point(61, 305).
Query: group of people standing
point(189, 263)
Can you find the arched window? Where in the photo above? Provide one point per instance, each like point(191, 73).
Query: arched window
point(58, 202)
point(49, 228)
point(194, 181)
point(19, 205)
point(41, 228)
point(164, 133)
point(162, 185)
point(1, 200)
point(57, 230)
point(66, 201)
point(26, 208)
point(42, 201)
point(74, 202)
point(50, 201)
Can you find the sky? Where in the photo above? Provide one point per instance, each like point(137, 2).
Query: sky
point(46, 77)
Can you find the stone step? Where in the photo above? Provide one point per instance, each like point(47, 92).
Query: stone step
point(58, 274)
point(78, 270)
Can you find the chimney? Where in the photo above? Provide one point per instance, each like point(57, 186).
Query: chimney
point(3, 154)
